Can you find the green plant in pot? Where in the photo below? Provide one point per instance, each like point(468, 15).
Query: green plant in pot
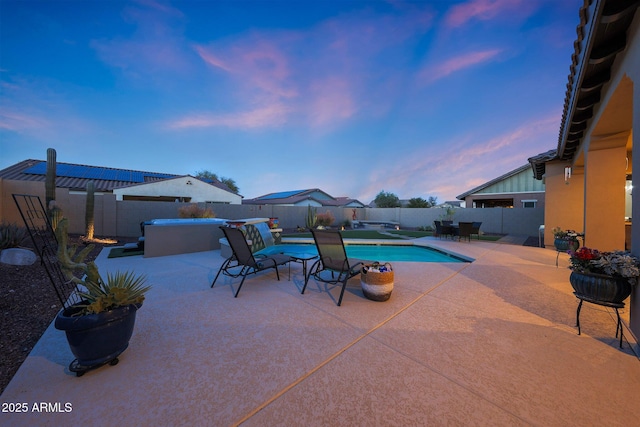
point(566, 240)
point(603, 276)
point(99, 327)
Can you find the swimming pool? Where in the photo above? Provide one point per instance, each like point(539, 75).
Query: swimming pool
point(382, 253)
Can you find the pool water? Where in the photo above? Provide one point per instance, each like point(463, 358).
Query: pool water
point(382, 253)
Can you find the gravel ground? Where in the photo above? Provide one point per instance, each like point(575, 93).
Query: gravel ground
point(28, 304)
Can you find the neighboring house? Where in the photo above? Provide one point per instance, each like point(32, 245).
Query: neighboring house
point(589, 176)
point(124, 183)
point(451, 204)
point(311, 197)
point(515, 189)
point(182, 188)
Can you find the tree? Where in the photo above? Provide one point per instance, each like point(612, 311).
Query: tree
point(418, 202)
point(386, 200)
point(205, 174)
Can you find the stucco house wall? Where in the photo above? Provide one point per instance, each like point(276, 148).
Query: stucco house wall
point(185, 187)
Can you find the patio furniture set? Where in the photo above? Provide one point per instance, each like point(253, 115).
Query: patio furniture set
point(332, 265)
point(460, 230)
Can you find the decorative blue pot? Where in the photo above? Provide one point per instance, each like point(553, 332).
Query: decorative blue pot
point(99, 338)
point(563, 245)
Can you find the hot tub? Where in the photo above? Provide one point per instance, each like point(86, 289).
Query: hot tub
point(174, 236)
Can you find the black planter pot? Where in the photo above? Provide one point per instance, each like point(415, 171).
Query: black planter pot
point(600, 288)
point(96, 339)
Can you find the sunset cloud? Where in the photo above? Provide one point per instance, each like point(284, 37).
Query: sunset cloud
point(482, 10)
point(19, 122)
point(271, 116)
point(423, 91)
point(463, 159)
point(458, 63)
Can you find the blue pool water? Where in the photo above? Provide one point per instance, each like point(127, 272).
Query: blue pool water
point(382, 253)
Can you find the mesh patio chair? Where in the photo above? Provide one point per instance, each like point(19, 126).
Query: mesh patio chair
point(465, 230)
point(334, 266)
point(242, 262)
point(476, 229)
point(442, 229)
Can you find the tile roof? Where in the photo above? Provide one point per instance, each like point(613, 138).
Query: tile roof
point(602, 34)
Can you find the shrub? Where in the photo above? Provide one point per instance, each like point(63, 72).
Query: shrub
point(11, 236)
point(195, 211)
point(325, 219)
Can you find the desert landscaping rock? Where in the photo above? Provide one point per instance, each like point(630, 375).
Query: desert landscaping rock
point(17, 256)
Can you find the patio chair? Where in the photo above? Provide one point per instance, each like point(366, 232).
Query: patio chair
point(476, 229)
point(465, 230)
point(242, 262)
point(333, 266)
point(443, 230)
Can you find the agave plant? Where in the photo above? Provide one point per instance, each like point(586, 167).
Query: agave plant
point(11, 235)
point(120, 289)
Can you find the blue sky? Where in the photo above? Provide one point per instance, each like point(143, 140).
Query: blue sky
point(417, 98)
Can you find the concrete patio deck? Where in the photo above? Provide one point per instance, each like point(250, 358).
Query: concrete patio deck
point(491, 342)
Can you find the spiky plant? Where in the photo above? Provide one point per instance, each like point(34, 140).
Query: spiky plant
point(120, 289)
point(11, 235)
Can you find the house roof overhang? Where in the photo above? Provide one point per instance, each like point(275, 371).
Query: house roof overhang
point(601, 36)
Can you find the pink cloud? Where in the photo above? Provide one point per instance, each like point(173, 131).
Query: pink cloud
point(159, 7)
point(460, 164)
point(211, 59)
point(256, 62)
point(323, 75)
point(331, 101)
point(18, 122)
point(458, 63)
point(480, 9)
point(269, 116)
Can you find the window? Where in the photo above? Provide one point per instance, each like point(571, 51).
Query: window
point(529, 203)
point(493, 203)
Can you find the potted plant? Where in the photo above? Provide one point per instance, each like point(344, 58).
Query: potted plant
point(603, 277)
point(100, 325)
point(566, 240)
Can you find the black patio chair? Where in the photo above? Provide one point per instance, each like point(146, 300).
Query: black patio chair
point(465, 230)
point(242, 262)
point(334, 266)
point(443, 230)
point(476, 229)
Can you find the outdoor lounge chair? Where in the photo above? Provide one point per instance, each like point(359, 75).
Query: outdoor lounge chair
point(333, 266)
point(242, 262)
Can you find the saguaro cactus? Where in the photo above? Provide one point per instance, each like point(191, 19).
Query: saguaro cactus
point(50, 178)
point(312, 218)
point(88, 215)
